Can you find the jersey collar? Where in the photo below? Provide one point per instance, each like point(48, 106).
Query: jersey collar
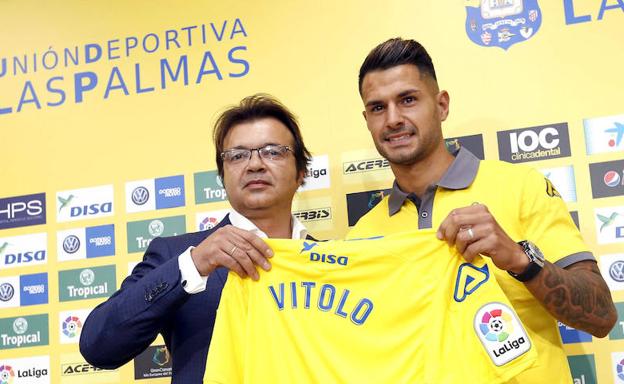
point(459, 175)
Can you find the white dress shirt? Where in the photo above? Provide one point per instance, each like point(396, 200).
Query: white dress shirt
point(193, 282)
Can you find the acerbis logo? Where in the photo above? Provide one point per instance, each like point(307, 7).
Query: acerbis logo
point(20, 326)
point(71, 244)
point(74, 369)
point(87, 277)
point(140, 195)
point(616, 271)
point(534, 143)
point(314, 214)
point(161, 356)
point(501, 333)
point(6, 374)
point(6, 291)
point(71, 326)
point(156, 228)
point(360, 166)
point(611, 179)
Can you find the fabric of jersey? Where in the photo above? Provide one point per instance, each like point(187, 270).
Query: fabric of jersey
point(527, 207)
point(367, 311)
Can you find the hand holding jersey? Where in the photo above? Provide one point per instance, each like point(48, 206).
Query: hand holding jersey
point(473, 230)
point(401, 309)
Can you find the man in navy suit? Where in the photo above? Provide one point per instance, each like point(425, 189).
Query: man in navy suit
point(175, 290)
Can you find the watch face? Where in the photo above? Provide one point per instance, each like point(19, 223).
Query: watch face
point(535, 254)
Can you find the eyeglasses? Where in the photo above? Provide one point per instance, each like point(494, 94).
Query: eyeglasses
point(271, 152)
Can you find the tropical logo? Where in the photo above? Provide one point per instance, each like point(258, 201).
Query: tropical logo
point(503, 23)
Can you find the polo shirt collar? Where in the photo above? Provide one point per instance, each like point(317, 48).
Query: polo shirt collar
point(459, 175)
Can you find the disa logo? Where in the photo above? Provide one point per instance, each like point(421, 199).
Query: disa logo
point(323, 257)
point(85, 203)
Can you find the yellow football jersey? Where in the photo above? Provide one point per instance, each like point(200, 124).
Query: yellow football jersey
point(397, 309)
point(527, 207)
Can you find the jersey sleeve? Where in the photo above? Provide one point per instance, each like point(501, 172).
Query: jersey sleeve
point(225, 356)
point(547, 223)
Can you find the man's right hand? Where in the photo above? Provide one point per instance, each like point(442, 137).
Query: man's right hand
point(233, 248)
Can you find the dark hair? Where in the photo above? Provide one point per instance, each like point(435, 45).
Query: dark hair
point(260, 106)
point(394, 52)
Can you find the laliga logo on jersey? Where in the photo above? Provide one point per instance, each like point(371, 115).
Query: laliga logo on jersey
point(502, 23)
point(71, 244)
point(140, 195)
point(501, 333)
point(72, 326)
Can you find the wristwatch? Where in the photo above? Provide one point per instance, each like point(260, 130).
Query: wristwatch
point(536, 262)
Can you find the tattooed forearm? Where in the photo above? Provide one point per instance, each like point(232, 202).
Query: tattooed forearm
point(576, 296)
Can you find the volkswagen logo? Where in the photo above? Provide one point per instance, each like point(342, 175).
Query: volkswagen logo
point(140, 195)
point(87, 277)
point(156, 228)
point(616, 271)
point(71, 244)
point(6, 291)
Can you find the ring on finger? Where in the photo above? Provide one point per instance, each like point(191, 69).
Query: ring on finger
point(470, 233)
point(233, 250)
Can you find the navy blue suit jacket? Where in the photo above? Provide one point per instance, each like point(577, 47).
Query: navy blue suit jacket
point(152, 301)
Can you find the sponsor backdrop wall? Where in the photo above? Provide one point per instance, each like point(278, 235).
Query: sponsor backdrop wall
point(106, 111)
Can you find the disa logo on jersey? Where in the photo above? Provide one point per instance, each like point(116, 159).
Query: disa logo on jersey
point(534, 143)
point(502, 23)
point(501, 333)
point(85, 203)
point(327, 258)
point(21, 211)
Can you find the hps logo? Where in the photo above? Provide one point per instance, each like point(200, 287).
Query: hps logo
point(534, 143)
point(85, 203)
point(21, 211)
point(88, 283)
point(501, 333)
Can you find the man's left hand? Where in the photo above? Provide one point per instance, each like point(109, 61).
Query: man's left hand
point(473, 230)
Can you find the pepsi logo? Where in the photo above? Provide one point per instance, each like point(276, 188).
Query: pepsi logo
point(612, 179)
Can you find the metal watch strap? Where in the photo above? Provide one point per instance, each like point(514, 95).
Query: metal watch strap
point(536, 262)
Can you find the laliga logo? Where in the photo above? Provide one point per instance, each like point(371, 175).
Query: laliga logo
point(6, 374)
point(71, 326)
point(140, 195)
point(71, 244)
point(619, 369)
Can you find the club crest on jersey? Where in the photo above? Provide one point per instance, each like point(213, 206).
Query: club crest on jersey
point(501, 333)
point(502, 23)
point(469, 279)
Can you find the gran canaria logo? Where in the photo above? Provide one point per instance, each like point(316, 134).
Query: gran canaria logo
point(502, 23)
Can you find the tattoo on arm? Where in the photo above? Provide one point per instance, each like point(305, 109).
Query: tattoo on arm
point(577, 296)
